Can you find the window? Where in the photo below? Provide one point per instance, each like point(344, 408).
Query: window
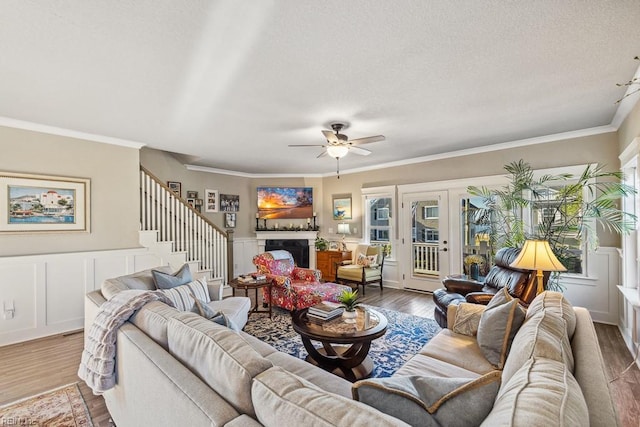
point(556, 208)
point(381, 214)
point(378, 204)
point(429, 212)
point(430, 236)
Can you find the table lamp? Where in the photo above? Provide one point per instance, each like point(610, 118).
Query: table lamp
point(537, 255)
point(343, 229)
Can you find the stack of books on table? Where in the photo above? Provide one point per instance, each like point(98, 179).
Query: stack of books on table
point(326, 310)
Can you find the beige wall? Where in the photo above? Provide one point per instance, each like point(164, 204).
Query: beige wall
point(113, 171)
point(601, 149)
point(630, 128)
point(167, 168)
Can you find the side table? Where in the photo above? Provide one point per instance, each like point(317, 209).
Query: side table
point(255, 285)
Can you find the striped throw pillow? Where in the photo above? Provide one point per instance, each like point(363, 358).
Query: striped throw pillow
point(181, 298)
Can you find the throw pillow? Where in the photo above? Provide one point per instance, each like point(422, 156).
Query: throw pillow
point(215, 316)
point(431, 401)
point(181, 298)
point(362, 260)
point(167, 281)
point(373, 260)
point(498, 325)
point(468, 318)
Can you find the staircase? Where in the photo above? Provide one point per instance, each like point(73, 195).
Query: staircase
point(179, 234)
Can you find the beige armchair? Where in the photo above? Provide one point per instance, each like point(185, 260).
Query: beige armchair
point(364, 268)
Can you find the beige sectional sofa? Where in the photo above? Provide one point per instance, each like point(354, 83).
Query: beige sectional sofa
point(177, 368)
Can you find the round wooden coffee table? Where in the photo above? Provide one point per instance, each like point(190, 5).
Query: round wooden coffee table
point(345, 346)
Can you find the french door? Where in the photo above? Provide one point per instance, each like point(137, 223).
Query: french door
point(425, 240)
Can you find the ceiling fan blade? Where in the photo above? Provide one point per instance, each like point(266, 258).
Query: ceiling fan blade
point(324, 153)
point(331, 137)
point(360, 151)
point(367, 140)
point(307, 145)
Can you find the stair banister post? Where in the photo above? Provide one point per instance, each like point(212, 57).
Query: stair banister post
point(229, 255)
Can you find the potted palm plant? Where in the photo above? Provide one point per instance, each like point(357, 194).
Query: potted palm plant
point(349, 300)
point(565, 217)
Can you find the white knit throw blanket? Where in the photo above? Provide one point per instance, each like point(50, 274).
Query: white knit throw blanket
point(97, 366)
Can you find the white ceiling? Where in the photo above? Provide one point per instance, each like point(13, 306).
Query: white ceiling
point(229, 84)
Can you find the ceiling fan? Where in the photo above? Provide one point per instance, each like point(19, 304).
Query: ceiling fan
point(339, 144)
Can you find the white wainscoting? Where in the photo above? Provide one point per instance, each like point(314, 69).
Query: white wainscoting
point(47, 292)
point(598, 291)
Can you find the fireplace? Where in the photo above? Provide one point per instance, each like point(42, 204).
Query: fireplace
point(299, 248)
point(301, 244)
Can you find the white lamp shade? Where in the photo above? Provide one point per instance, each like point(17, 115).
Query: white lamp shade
point(337, 151)
point(343, 229)
point(537, 255)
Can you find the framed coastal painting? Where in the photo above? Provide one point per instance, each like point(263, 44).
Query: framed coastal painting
point(285, 202)
point(44, 203)
point(211, 201)
point(342, 207)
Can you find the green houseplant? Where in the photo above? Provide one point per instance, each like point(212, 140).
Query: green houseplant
point(349, 300)
point(321, 244)
point(562, 209)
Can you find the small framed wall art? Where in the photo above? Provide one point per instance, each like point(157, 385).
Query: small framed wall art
point(342, 207)
point(192, 194)
point(211, 201)
point(176, 187)
point(230, 220)
point(229, 203)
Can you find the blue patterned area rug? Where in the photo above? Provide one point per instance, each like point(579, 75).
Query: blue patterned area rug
point(406, 335)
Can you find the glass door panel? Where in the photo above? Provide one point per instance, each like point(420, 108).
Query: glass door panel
point(425, 241)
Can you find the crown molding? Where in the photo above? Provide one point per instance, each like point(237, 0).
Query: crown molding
point(52, 130)
point(251, 175)
point(451, 154)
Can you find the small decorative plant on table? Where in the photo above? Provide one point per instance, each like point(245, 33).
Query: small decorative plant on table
point(349, 300)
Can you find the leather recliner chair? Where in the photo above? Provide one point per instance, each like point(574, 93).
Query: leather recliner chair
point(520, 283)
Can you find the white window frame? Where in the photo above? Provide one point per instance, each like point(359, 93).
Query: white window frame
point(378, 193)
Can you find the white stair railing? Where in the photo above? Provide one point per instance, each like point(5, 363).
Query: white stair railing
point(175, 221)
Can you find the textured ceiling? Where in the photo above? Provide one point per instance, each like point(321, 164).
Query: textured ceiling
point(229, 84)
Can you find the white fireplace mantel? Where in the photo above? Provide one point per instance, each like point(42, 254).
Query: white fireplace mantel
point(309, 236)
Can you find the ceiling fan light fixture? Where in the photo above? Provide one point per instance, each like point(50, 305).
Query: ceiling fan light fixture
point(337, 151)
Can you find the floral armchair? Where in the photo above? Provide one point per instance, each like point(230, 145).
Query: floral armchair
point(294, 288)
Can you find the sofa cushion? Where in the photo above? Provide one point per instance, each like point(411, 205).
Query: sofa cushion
point(152, 319)
point(556, 303)
point(467, 318)
point(459, 350)
point(164, 280)
point(422, 365)
point(282, 398)
point(309, 372)
point(210, 314)
point(235, 308)
point(543, 335)
point(431, 401)
point(541, 393)
point(219, 356)
point(498, 325)
point(181, 297)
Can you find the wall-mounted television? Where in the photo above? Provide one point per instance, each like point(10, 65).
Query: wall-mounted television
point(285, 202)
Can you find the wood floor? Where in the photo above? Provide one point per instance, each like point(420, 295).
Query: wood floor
point(35, 366)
